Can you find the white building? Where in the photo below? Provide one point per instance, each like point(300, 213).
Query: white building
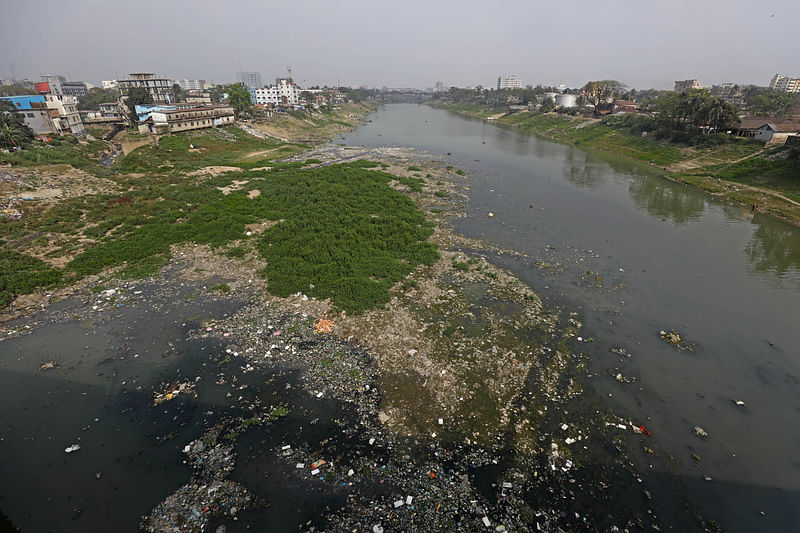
point(65, 115)
point(110, 84)
point(509, 82)
point(191, 85)
point(786, 84)
point(284, 92)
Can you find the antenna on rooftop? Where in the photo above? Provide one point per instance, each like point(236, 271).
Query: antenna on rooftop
point(289, 68)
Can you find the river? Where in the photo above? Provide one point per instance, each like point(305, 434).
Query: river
point(635, 253)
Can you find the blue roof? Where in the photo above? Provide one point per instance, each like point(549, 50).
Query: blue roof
point(23, 102)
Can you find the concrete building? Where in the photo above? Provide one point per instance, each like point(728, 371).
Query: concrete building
point(439, 88)
point(110, 84)
point(251, 80)
point(777, 132)
point(193, 118)
point(159, 88)
point(74, 88)
point(509, 82)
point(33, 109)
point(109, 112)
point(785, 84)
point(284, 92)
point(191, 85)
point(683, 85)
point(65, 115)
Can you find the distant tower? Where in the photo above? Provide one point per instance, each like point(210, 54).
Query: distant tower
point(289, 68)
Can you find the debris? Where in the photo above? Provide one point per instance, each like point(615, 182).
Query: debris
point(48, 365)
point(491, 215)
point(323, 325)
point(740, 403)
point(672, 337)
point(700, 432)
point(72, 448)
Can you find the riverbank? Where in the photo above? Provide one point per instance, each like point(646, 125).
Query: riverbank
point(739, 171)
point(457, 391)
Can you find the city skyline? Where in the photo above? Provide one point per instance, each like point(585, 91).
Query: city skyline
point(359, 43)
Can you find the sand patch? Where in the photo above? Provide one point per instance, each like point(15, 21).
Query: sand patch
point(214, 171)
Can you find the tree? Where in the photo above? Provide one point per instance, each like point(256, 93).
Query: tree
point(239, 98)
point(601, 94)
point(547, 104)
point(176, 93)
point(14, 133)
point(137, 96)
point(95, 96)
point(15, 90)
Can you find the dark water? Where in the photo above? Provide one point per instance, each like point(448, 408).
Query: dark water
point(668, 257)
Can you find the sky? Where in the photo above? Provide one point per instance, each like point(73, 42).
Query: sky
point(406, 43)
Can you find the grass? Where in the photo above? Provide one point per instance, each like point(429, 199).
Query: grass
point(22, 274)
point(345, 232)
point(61, 150)
point(228, 146)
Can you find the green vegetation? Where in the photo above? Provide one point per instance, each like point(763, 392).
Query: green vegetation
point(13, 131)
point(220, 287)
point(239, 98)
point(21, 274)
point(96, 96)
point(228, 146)
point(345, 234)
point(61, 150)
point(137, 96)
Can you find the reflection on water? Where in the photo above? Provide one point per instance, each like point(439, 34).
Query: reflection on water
point(578, 171)
point(667, 201)
point(774, 247)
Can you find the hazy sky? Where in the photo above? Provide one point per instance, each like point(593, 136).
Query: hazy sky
point(407, 43)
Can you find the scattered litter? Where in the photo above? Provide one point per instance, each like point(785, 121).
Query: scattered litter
point(398, 503)
point(300, 465)
point(48, 365)
point(487, 522)
point(700, 432)
point(323, 325)
point(740, 403)
point(72, 448)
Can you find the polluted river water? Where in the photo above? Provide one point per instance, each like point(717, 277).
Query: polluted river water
point(637, 254)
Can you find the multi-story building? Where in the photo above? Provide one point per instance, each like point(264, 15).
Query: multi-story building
point(191, 85)
point(683, 85)
point(189, 118)
point(159, 88)
point(110, 84)
point(284, 92)
point(74, 88)
point(786, 84)
point(439, 88)
point(509, 82)
point(251, 80)
point(33, 109)
point(65, 115)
